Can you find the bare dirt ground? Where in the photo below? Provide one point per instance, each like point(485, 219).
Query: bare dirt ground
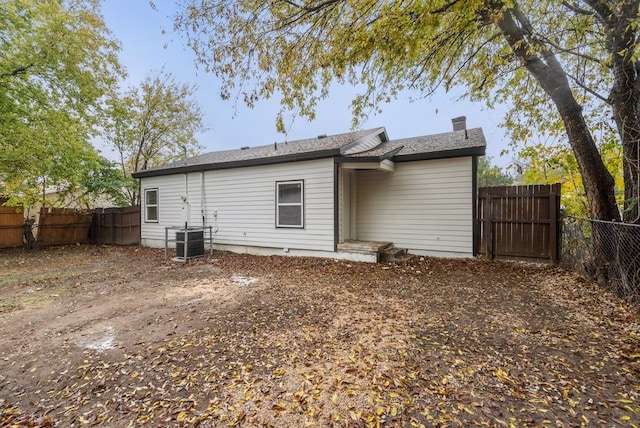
point(116, 337)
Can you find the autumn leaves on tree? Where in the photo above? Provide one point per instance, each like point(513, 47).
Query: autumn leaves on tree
point(564, 68)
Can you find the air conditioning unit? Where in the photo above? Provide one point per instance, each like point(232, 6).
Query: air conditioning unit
point(194, 241)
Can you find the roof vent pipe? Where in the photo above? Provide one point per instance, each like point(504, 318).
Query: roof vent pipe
point(459, 123)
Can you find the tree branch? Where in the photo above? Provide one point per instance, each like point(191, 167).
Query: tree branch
point(581, 11)
point(17, 71)
point(605, 14)
point(567, 51)
point(588, 89)
point(517, 37)
point(308, 10)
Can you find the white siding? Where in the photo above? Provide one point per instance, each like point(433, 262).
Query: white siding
point(342, 192)
point(170, 190)
point(240, 204)
point(424, 206)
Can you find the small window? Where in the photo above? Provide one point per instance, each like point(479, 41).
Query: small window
point(290, 203)
point(151, 205)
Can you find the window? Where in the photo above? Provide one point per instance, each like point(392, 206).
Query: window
point(290, 203)
point(151, 205)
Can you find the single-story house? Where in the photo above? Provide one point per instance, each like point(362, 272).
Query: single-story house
point(319, 196)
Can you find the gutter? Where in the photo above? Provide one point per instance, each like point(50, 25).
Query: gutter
point(469, 151)
point(322, 154)
point(294, 157)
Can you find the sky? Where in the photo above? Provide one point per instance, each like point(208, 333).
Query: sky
point(146, 49)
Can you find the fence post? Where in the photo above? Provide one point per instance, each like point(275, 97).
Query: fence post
point(553, 226)
point(113, 227)
point(96, 226)
point(488, 224)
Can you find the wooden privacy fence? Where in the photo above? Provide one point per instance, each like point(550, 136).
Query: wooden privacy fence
point(57, 226)
point(519, 222)
point(115, 226)
point(11, 227)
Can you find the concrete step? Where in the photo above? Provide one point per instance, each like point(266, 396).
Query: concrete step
point(364, 246)
point(395, 255)
point(364, 251)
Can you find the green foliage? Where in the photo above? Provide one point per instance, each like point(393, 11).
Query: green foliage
point(153, 125)
point(491, 175)
point(549, 163)
point(295, 49)
point(106, 182)
point(57, 62)
point(101, 184)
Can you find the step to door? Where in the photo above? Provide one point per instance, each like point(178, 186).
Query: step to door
point(368, 250)
point(395, 255)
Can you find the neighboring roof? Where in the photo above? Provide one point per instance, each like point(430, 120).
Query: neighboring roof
point(371, 144)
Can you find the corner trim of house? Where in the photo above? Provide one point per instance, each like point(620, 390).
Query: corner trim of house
point(336, 202)
point(474, 205)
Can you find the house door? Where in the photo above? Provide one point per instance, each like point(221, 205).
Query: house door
point(349, 230)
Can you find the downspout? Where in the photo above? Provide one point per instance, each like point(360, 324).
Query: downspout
point(202, 199)
point(474, 205)
point(186, 194)
point(186, 201)
point(142, 207)
point(336, 203)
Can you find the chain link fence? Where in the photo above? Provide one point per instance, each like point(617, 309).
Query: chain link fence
point(608, 252)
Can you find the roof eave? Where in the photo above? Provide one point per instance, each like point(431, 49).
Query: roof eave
point(456, 153)
point(184, 169)
point(363, 159)
point(371, 158)
point(382, 132)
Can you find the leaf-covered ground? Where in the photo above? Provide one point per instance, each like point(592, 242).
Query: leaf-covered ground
point(117, 337)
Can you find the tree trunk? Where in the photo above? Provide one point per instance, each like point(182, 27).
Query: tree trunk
point(545, 67)
point(598, 182)
point(599, 185)
point(625, 101)
point(628, 252)
point(631, 179)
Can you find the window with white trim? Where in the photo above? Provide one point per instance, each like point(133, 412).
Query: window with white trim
point(290, 203)
point(151, 205)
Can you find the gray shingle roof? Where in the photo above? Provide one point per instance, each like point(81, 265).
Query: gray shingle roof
point(428, 145)
point(455, 143)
